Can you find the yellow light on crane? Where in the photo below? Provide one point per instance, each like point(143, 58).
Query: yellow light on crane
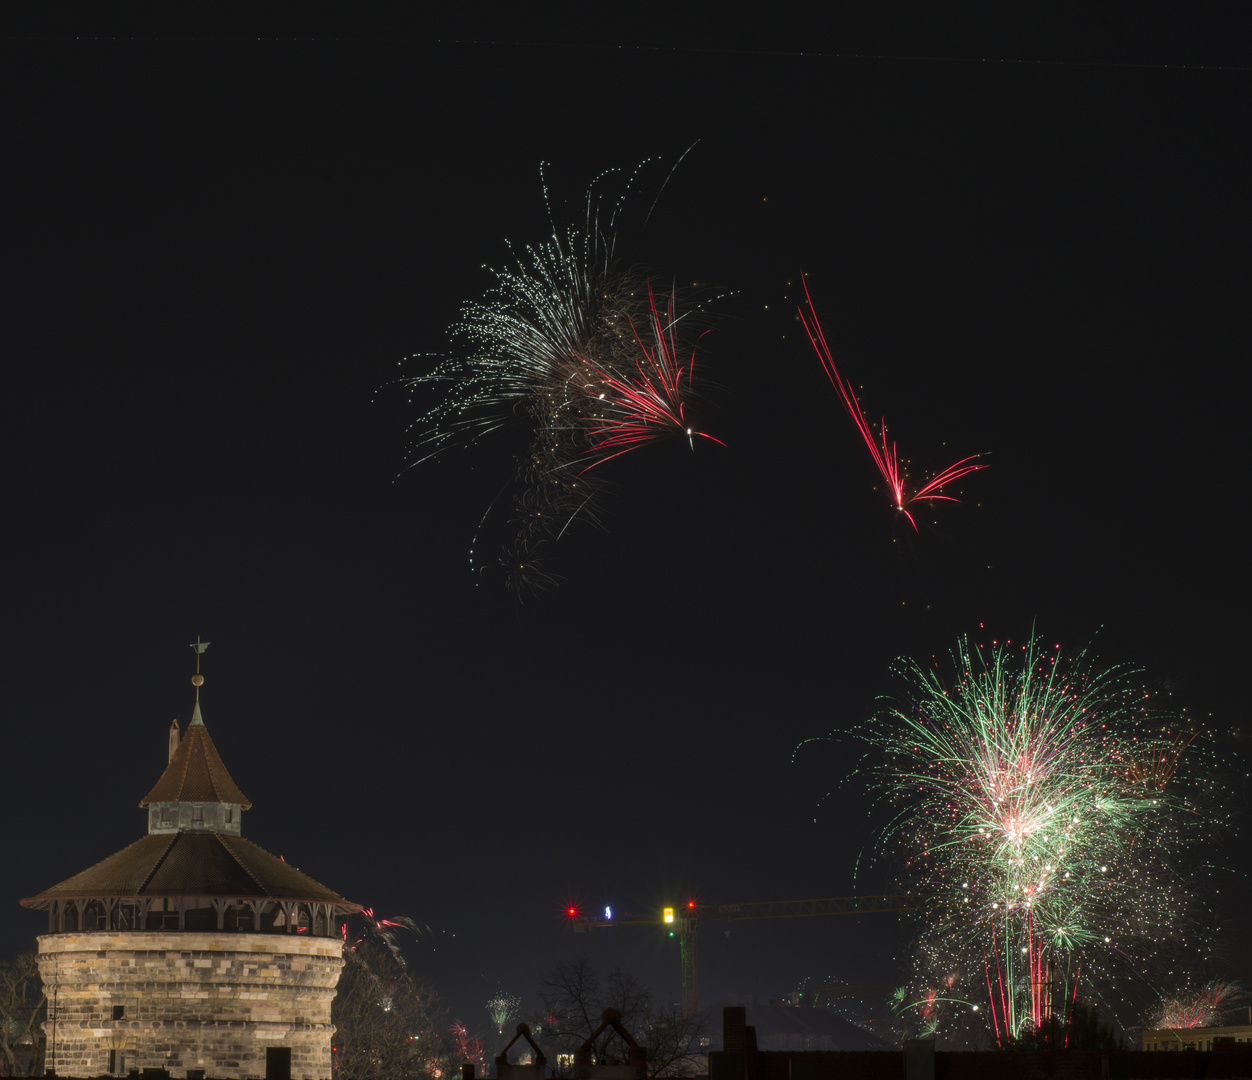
point(668, 914)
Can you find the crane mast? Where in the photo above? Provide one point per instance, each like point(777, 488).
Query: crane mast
point(686, 923)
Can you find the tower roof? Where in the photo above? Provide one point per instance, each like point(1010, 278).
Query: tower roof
point(192, 864)
point(190, 851)
point(195, 772)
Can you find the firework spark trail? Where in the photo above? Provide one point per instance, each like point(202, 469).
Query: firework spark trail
point(1018, 806)
point(502, 1008)
point(885, 456)
point(647, 401)
point(556, 343)
point(1206, 1007)
point(469, 1047)
point(383, 930)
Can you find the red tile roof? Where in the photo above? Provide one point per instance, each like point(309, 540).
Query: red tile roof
point(196, 774)
point(192, 864)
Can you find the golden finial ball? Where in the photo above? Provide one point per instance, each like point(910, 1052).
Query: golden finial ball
point(197, 680)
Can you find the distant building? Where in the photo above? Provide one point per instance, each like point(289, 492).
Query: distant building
point(1197, 1038)
point(741, 1058)
point(778, 1025)
point(192, 950)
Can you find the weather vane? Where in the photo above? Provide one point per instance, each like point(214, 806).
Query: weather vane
point(197, 680)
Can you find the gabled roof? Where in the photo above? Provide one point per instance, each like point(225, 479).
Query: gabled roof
point(196, 772)
point(192, 864)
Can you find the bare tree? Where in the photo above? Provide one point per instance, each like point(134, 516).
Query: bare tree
point(22, 1011)
point(676, 1043)
point(388, 1026)
point(575, 996)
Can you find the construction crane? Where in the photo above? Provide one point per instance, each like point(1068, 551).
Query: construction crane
point(684, 922)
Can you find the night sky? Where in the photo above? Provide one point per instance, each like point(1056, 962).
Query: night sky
point(221, 238)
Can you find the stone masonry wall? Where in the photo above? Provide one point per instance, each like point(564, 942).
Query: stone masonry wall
point(198, 1001)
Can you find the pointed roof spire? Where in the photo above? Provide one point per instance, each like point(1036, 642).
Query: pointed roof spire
point(195, 772)
point(197, 680)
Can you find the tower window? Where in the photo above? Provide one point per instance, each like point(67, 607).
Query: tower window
point(165, 814)
point(197, 813)
point(230, 815)
point(119, 1011)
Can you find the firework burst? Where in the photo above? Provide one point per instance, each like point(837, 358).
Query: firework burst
point(365, 927)
point(1208, 1006)
point(646, 398)
point(502, 1008)
point(1020, 803)
point(582, 353)
point(885, 456)
point(467, 1046)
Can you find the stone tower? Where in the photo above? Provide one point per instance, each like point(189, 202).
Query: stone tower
point(191, 950)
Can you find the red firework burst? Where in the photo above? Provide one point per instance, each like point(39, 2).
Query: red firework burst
point(884, 454)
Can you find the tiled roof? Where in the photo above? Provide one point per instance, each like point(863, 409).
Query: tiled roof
point(196, 774)
point(192, 864)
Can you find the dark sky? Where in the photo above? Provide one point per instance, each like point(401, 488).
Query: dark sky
point(220, 238)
